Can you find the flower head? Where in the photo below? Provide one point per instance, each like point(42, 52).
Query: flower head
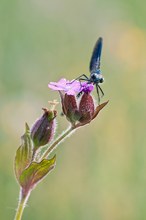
point(78, 111)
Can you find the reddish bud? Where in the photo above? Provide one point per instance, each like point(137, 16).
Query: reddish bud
point(86, 108)
point(69, 107)
point(43, 129)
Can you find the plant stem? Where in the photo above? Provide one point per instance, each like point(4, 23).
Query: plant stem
point(56, 142)
point(21, 205)
point(25, 195)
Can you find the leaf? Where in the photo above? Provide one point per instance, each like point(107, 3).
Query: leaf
point(36, 172)
point(24, 153)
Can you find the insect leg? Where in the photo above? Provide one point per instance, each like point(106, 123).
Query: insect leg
point(97, 86)
point(101, 90)
point(80, 77)
point(83, 79)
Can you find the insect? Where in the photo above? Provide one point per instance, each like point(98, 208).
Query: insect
point(95, 73)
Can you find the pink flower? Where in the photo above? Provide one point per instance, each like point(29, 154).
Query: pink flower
point(87, 87)
point(78, 111)
point(71, 87)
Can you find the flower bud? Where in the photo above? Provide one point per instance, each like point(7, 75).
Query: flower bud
point(70, 108)
point(86, 108)
point(43, 129)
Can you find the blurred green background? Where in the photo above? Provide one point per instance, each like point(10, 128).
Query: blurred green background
point(101, 169)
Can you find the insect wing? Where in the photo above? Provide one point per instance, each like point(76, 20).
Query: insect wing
point(96, 54)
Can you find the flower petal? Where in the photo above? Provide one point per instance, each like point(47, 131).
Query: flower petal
point(87, 87)
point(69, 87)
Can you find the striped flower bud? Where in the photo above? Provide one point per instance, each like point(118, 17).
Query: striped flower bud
point(86, 108)
point(42, 132)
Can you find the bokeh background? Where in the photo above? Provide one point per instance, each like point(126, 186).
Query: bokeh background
point(101, 169)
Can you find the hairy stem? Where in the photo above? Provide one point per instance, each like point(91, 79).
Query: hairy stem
point(56, 142)
point(23, 197)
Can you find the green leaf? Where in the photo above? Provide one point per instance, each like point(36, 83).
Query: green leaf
point(36, 172)
point(24, 153)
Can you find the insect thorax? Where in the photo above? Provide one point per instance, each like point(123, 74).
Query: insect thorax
point(96, 77)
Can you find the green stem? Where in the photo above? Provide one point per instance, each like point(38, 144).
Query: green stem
point(56, 142)
point(21, 205)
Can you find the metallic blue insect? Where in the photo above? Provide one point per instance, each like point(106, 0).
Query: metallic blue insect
point(94, 67)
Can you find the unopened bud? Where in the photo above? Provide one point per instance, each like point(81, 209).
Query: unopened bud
point(70, 108)
point(43, 129)
point(86, 108)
